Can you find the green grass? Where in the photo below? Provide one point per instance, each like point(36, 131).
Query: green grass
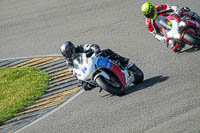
point(19, 88)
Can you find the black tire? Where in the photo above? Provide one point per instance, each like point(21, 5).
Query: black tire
point(102, 83)
point(191, 38)
point(179, 49)
point(138, 74)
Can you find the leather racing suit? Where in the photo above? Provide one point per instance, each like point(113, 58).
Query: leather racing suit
point(89, 49)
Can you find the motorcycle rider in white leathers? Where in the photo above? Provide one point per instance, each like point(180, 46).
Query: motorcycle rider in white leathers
point(70, 52)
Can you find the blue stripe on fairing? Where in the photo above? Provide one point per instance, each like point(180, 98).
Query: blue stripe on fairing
point(103, 62)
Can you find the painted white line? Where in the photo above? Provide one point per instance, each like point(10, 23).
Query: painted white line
point(49, 113)
point(36, 56)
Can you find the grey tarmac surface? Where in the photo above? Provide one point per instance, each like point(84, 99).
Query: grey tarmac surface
point(167, 101)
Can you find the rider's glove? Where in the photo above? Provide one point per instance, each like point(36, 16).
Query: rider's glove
point(165, 40)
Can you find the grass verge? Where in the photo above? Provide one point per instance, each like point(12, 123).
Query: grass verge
point(19, 88)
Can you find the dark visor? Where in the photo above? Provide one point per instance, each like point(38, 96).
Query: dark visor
point(151, 15)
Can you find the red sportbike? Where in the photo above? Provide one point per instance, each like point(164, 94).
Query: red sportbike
point(182, 30)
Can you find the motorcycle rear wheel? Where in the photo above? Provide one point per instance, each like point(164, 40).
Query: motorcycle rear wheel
point(191, 38)
point(138, 74)
point(107, 86)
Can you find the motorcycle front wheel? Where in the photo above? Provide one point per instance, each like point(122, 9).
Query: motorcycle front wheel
point(113, 87)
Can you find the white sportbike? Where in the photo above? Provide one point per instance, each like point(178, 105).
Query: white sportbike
point(99, 71)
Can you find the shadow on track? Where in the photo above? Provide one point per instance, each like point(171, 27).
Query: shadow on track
point(190, 50)
point(145, 84)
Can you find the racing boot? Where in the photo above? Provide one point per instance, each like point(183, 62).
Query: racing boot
point(196, 17)
point(114, 56)
point(123, 61)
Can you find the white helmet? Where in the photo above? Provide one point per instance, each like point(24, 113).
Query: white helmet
point(94, 47)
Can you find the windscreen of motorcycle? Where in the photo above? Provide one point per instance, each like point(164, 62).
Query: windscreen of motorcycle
point(163, 23)
point(174, 32)
point(85, 68)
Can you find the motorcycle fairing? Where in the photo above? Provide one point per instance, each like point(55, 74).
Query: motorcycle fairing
point(106, 63)
point(117, 71)
point(174, 17)
point(84, 69)
point(103, 62)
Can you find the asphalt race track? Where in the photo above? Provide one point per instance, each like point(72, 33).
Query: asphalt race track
point(167, 101)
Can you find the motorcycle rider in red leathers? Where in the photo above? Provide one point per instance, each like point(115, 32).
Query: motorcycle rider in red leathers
point(153, 12)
